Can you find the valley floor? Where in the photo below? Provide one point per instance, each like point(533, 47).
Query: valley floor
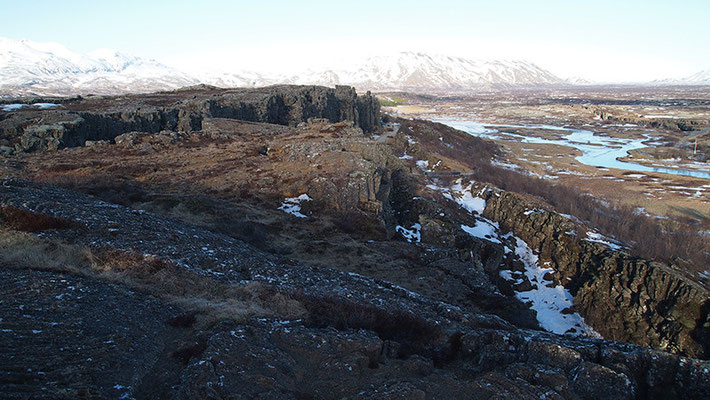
point(673, 123)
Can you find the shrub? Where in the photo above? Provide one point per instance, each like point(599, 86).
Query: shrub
point(109, 188)
point(648, 237)
point(27, 221)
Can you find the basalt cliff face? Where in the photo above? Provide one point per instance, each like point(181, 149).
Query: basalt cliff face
point(351, 336)
point(75, 121)
point(318, 259)
point(623, 297)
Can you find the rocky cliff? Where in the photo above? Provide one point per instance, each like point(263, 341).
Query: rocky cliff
point(359, 337)
point(77, 120)
point(623, 297)
point(312, 261)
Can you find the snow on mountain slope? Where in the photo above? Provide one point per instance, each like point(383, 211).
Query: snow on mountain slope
point(407, 71)
point(28, 67)
point(700, 78)
point(237, 79)
point(578, 80)
point(32, 68)
point(414, 71)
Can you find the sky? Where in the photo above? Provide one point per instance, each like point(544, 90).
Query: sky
point(603, 41)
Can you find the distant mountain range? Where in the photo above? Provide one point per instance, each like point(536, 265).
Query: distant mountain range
point(407, 71)
point(28, 67)
point(417, 71)
point(700, 78)
point(32, 68)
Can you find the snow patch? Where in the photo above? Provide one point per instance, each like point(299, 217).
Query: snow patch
point(463, 196)
point(546, 298)
point(534, 210)
point(423, 164)
point(413, 234)
point(599, 238)
point(292, 205)
point(483, 229)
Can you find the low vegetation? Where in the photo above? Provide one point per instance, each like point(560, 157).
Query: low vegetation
point(649, 237)
point(23, 220)
point(392, 101)
point(177, 285)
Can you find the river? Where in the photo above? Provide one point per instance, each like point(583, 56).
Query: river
point(597, 150)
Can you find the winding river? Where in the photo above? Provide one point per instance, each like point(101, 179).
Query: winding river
point(597, 150)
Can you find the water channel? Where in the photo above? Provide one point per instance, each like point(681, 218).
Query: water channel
point(597, 150)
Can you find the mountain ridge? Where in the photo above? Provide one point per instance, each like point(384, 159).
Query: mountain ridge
point(34, 68)
point(46, 68)
point(28, 67)
point(698, 78)
point(420, 71)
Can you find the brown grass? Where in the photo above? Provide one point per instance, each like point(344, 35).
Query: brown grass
point(650, 238)
point(23, 220)
point(212, 299)
point(18, 249)
point(110, 188)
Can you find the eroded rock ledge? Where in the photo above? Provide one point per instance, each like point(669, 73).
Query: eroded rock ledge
point(78, 120)
point(623, 297)
point(437, 351)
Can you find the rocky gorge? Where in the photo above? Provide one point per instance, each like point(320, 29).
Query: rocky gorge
point(281, 243)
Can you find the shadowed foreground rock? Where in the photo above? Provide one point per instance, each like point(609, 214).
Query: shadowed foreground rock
point(403, 345)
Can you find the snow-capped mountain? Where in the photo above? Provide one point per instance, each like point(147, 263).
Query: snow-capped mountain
point(700, 78)
point(28, 67)
point(32, 68)
point(418, 71)
point(408, 71)
point(237, 79)
point(578, 80)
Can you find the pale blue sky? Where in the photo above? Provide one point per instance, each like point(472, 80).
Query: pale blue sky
point(602, 40)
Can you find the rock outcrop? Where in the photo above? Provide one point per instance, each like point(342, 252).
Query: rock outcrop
point(362, 338)
point(102, 118)
point(677, 124)
point(623, 297)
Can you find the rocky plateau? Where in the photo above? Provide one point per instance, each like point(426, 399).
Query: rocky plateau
point(295, 242)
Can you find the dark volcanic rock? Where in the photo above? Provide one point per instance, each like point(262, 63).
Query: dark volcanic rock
point(362, 338)
point(65, 337)
point(623, 297)
point(183, 110)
